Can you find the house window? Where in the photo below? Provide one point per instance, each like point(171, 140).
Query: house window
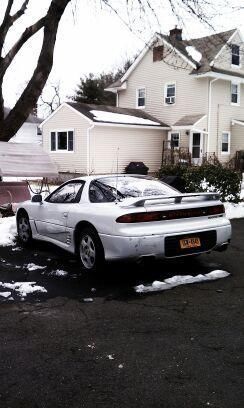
point(235, 55)
point(141, 98)
point(169, 94)
point(235, 94)
point(62, 141)
point(225, 143)
point(174, 138)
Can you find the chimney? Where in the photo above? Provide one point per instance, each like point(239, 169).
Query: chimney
point(176, 34)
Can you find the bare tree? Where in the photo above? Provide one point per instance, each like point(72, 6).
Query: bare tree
point(28, 99)
point(51, 100)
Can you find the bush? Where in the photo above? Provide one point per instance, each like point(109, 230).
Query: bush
point(207, 178)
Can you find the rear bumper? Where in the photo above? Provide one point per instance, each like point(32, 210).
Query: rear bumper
point(120, 247)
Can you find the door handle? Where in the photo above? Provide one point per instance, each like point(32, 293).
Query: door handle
point(65, 214)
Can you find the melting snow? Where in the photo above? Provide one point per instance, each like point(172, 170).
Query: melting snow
point(234, 210)
point(32, 267)
point(180, 280)
point(121, 118)
point(23, 288)
point(8, 231)
point(5, 294)
point(58, 272)
point(194, 53)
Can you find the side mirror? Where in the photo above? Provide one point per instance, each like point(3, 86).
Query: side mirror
point(37, 198)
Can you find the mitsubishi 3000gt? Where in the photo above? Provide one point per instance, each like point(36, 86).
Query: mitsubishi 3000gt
point(117, 217)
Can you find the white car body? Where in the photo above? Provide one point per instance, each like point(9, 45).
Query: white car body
point(58, 222)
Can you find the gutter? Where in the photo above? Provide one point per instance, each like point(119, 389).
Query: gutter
point(88, 148)
point(209, 111)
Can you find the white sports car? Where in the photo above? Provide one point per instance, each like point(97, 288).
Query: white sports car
point(124, 216)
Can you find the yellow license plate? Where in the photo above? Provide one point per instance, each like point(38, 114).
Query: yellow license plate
point(190, 243)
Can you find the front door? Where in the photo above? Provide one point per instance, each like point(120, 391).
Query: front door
point(196, 147)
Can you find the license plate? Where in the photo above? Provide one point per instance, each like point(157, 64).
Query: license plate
point(190, 243)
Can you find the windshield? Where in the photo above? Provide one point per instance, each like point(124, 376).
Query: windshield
point(132, 186)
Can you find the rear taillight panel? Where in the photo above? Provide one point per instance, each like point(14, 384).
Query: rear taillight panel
point(171, 214)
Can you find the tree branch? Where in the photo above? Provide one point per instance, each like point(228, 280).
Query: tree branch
point(9, 20)
point(27, 34)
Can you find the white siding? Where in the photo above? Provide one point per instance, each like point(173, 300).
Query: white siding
point(191, 93)
point(66, 118)
point(134, 145)
point(237, 138)
point(222, 114)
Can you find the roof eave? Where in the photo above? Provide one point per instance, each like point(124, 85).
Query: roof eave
point(218, 75)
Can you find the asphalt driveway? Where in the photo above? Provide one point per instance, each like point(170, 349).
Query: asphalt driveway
point(179, 348)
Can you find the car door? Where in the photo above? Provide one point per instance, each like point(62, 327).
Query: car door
point(51, 219)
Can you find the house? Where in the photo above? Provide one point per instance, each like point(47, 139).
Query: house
point(29, 132)
point(194, 86)
point(85, 139)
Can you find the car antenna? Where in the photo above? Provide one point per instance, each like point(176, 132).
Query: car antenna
point(117, 176)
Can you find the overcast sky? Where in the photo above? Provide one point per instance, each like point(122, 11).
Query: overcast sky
point(91, 39)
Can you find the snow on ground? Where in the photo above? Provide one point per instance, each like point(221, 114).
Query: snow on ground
point(5, 294)
point(234, 210)
point(58, 272)
point(8, 231)
point(33, 267)
point(180, 280)
point(23, 288)
point(121, 118)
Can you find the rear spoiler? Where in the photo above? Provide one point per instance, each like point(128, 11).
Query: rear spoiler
point(140, 202)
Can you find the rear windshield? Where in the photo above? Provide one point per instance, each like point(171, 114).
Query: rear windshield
point(132, 186)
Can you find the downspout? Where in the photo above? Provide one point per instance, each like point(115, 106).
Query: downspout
point(88, 148)
point(209, 111)
point(117, 98)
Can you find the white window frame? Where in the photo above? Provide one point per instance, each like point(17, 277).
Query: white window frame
point(229, 138)
point(238, 93)
point(56, 131)
point(239, 55)
point(137, 97)
point(165, 93)
point(170, 134)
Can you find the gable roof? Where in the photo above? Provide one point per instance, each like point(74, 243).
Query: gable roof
point(208, 48)
point(112, 115)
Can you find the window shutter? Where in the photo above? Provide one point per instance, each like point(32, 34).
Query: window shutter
point(70, 141)
point(53, 141)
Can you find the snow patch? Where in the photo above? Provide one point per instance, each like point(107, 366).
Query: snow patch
point(180, 280)
point(234, 210)
point(8, 231)
point(5, 294)
point(23, 288)
point(121, 118)
point(33, 267)
point(58, 272)
point(194, 53)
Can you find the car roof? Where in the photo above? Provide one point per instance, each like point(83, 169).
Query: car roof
point(99, 176)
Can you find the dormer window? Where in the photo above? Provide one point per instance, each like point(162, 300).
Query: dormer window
point(169, 93)
point(235, 57)
point(141, 98)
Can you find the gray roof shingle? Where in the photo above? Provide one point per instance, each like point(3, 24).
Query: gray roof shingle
point(189, 120)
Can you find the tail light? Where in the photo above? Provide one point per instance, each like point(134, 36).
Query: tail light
point(171, 214)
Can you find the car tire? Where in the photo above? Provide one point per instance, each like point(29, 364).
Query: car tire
point(90, 250)
point(24, 229)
